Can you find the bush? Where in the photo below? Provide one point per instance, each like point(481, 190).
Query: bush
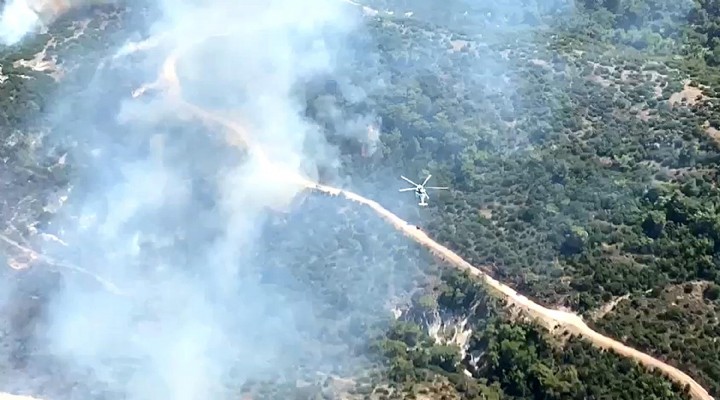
point(712, 292)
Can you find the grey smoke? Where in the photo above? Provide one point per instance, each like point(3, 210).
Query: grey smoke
point(164, 209)
point(17, 20)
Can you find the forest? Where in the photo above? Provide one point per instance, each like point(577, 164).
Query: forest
point(594, 182)
point(581, 140)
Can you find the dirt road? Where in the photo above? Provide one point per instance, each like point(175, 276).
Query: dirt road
point(555, 320)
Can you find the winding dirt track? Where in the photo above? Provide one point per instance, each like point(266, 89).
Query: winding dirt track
point(556, 321)
point(236, 134)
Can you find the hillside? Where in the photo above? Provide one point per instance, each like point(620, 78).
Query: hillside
point(150, 258)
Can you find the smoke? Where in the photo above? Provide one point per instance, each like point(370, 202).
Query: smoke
point(22, 17)
point(17, 20)
point(164, 209)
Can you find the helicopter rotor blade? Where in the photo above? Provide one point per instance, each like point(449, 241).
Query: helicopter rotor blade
point(438, 188)
point(408, 180)
point(426, 180)
point(406, 190)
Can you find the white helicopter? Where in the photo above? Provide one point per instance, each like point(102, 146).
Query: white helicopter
point(421, 190)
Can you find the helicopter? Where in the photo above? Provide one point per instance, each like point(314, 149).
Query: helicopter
point(421, 190)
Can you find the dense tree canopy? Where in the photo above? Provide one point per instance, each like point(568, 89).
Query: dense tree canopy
point(581, 141)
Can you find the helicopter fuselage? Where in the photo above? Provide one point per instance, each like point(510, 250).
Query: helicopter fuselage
point(420, 190)
point(421, 194)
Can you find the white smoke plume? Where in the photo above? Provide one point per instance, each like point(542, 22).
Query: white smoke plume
point(17, 20)
point(163, 208)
